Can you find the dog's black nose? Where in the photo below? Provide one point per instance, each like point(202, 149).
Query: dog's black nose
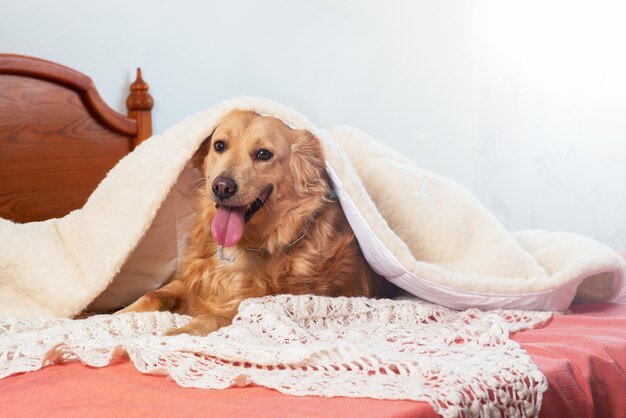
point(224, 187)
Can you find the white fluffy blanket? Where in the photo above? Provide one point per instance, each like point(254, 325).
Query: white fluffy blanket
point(423, 232)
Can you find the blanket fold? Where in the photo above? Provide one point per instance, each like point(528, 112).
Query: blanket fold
point(425, 233)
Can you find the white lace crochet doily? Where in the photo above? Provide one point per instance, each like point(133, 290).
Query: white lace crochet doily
point(463, 363)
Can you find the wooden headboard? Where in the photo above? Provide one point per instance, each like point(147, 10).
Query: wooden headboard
point(58, 138)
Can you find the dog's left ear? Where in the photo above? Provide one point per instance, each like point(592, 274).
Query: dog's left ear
point(203, 150)
point(307, 163)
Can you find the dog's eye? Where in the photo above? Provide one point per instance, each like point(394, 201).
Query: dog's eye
point(219, 146)
point(263, 154)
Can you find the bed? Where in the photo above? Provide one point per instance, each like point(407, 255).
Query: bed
point(58, 139)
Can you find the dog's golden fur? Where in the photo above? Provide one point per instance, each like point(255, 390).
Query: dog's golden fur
point(299, 242)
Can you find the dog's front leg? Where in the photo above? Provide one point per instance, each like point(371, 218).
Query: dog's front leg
point(202, 325)
point(168, 298)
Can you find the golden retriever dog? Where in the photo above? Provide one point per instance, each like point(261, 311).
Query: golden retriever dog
point(267, 223)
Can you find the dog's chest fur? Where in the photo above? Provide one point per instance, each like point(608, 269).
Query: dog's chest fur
point(323, 262)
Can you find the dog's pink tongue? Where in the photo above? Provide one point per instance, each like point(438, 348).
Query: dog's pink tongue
point(227, 225)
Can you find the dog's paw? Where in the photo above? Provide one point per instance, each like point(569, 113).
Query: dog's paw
point(186, 329)
point(174, 331)
point(201, 326)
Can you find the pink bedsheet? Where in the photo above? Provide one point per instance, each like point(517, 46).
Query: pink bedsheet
point(583, 355)
point(73, 390)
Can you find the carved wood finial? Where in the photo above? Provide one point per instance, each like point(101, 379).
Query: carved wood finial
point(139, 104)
point(139, 98)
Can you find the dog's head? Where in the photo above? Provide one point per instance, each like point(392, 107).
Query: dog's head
point(262, 177)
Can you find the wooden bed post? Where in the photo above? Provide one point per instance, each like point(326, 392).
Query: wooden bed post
point(139, 104)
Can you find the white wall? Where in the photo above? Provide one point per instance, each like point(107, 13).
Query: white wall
point(523, 102)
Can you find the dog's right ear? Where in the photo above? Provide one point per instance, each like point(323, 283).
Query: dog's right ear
point(203, 150)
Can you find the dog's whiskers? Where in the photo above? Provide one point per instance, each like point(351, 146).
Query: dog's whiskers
point(265, 201)
point(261, 198)
point(194, 186)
